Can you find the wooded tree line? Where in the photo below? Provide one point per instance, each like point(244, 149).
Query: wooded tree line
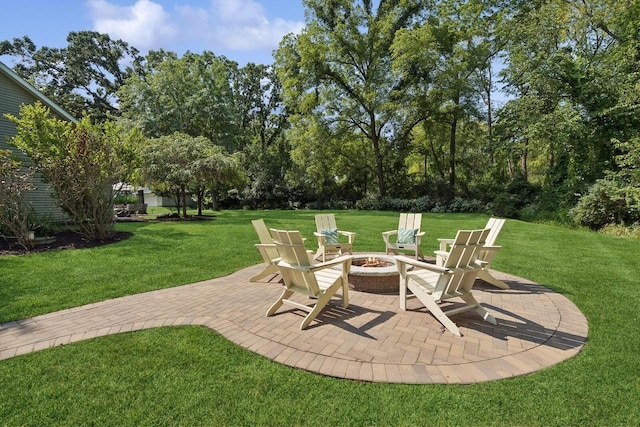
point(394, 99)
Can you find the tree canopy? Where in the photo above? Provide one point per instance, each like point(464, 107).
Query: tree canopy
point(83, 77)
point(522, 106)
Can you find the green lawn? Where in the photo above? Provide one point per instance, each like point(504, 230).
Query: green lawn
point(193, 376)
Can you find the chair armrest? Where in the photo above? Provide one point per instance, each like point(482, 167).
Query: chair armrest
point(265, 245)
point(345, 259)
point(401, 259)
point(350, 234)
point(444, 243)
point(491, 248)
point(387, 234)
point(443, 254)
point(321, 238)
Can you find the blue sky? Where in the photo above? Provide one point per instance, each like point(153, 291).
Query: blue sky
point(242, 30)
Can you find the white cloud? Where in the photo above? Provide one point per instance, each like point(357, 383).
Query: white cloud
point(238, 25)
point(232, 25)
point(144, 25)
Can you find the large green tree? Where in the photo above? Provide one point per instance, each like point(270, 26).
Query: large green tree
point(454, 47)
point(265, 152)
point(573, 66)
point(339, 81)
point(82, 77)
point(192, 95)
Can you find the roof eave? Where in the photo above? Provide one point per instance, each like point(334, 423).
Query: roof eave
point(35, 92)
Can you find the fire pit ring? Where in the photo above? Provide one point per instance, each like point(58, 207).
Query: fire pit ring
point(380, 279)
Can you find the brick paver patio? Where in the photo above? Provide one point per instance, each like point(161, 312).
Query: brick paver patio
point(372, 340)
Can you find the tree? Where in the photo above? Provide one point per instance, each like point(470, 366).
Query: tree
point(180, 163)
point(454, 47)
point(192, 95)
point(83, 77)
point(81, 162)
point(264, 152)
point(338, 73)
point(576, 63)
point(16, 214)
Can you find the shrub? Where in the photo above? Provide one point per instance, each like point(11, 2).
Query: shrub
point(518, 194)
point(421, 204)
point(124, 199)
point(619, 230)
point(607, 202)
point(81, 162)
point(461, 205)
point(16, 215)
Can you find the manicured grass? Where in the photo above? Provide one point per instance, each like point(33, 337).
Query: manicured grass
point(193, 376)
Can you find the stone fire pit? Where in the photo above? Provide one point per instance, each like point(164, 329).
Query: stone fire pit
point(367, 276)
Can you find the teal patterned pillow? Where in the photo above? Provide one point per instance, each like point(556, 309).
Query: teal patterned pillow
point(330, 236)
point(407, 236)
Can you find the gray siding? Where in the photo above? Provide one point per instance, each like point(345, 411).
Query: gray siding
point(12, 96)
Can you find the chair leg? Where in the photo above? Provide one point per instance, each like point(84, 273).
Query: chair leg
point(487, 277)
point(270, 270)
point(322, 301)
point(345, 293)
point(434, 308)
point(286, 293)
point(403, 293)
point(437, 312)
point(472, 302)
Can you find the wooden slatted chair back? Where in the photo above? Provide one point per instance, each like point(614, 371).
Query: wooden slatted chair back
point(265, 238)
point(495, 224)
point(291, 248)
point(262, 231)
point(325, 222)
point(462, 261)
point(410, 221)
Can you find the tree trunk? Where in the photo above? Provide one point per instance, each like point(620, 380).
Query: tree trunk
point(426, 172)
point(375, 139)
point(490, 121)
point(200, 197)
point(452, 157)
point(214, 200)
point(183, 192)
point(525, 166)
point(178, 200)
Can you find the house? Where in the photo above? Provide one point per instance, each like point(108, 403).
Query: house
point(14, 92)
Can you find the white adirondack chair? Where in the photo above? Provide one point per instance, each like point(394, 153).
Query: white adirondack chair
point(408, 235)
point(267, 249)
point(436, 285)
point(328, 237)
point(488, 252)
point(320, 281)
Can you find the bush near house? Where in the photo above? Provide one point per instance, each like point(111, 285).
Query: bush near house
point(81, 162)
point(16, 216)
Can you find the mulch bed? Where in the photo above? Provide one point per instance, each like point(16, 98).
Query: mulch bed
point(63, 240)
point(71, 240)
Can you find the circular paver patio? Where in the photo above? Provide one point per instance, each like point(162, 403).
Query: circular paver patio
point(372, 340)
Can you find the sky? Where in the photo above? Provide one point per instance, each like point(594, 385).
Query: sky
point(242, 30)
